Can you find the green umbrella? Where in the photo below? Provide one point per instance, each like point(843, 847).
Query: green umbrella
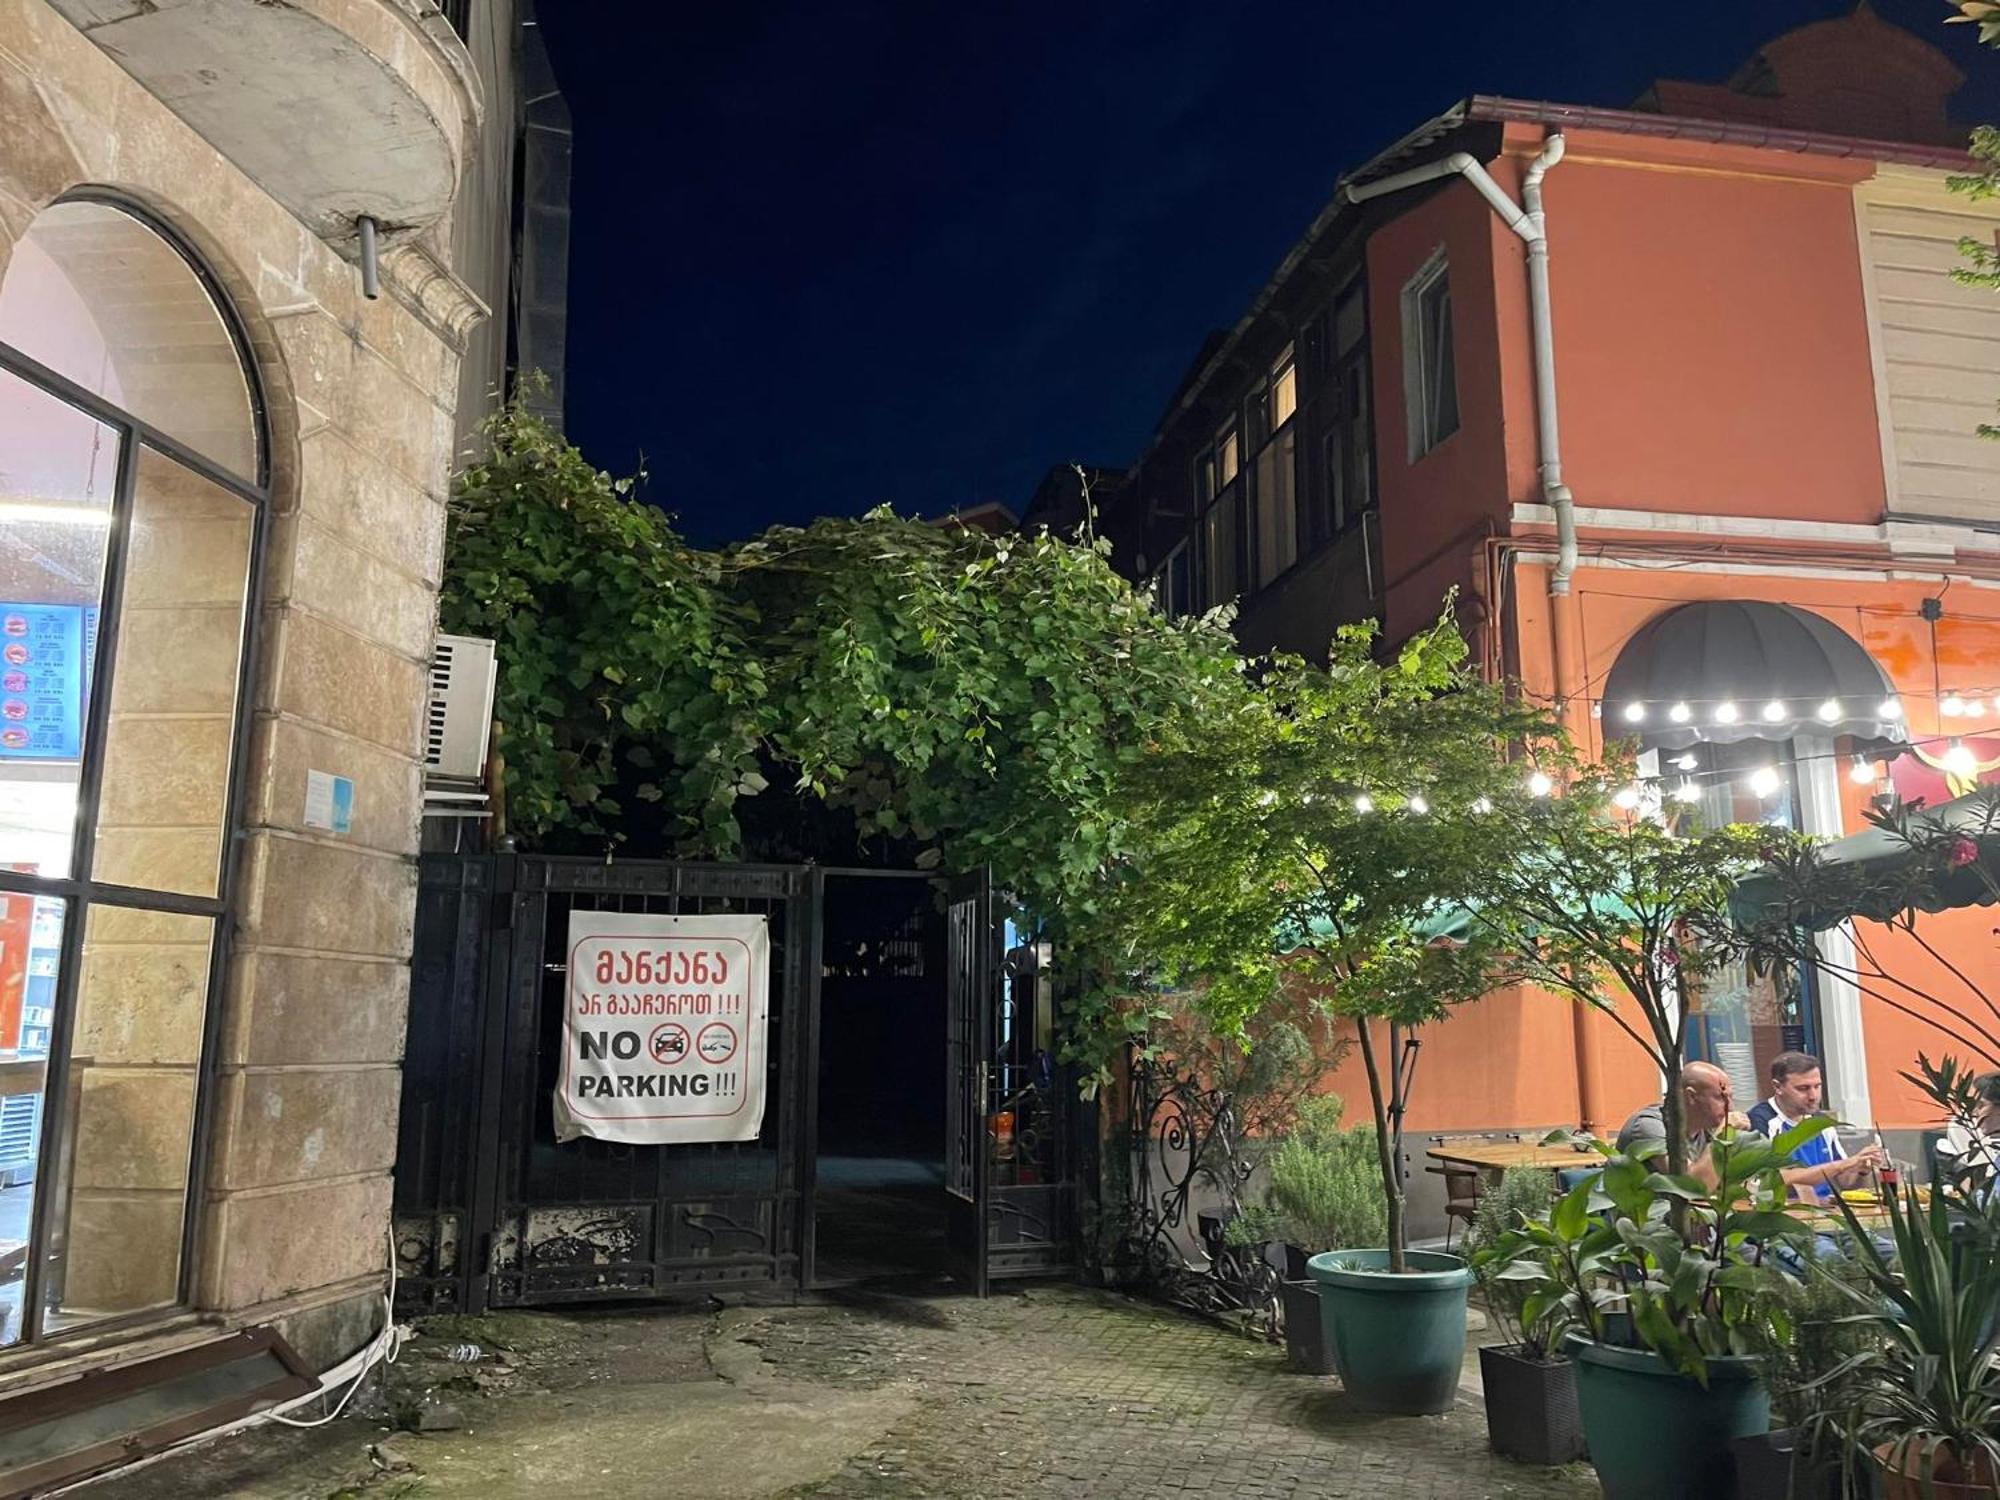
point(1930, 859)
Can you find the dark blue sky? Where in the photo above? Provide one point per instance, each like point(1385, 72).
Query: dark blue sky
point(829, 255)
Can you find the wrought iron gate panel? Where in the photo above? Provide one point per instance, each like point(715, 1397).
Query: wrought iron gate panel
point(592, 1219)
point(492, 1211)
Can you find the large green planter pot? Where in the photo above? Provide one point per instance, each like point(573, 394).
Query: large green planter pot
point(1657, 1435)
point(1398, 1341)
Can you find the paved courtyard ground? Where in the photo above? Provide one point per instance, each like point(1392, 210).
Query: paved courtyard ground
point(1051, 1391)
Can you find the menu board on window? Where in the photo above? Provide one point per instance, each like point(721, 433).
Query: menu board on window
point(42, 659)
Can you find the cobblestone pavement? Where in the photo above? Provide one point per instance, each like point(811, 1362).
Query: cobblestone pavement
point(1052, 1391)
point(1066, 1392)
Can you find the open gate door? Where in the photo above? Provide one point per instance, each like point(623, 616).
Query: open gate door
point(972, 979)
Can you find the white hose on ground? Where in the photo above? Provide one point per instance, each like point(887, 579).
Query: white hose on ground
point(351, 1372)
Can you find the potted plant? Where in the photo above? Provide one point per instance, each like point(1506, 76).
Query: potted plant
point(1339, 813)
point(1321, 1194)
point(1919, 1403)
point(1529, 1387)
point(1664, 1391)
point(1818, 1333)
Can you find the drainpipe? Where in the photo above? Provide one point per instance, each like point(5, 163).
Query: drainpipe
point(1528, 220)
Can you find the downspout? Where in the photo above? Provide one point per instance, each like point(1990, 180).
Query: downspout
point(1528, 220)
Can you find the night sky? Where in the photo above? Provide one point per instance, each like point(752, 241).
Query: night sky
point(831, 255)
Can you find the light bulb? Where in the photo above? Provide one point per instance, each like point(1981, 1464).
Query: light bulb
point(1687, 761)
point(1725, 713)
point(1687, 791)
point(1482, 804)
point(1829, 711)
point(1627, 798)
point(1635, 713)
point(1958, 759)
point(1680, 713)
point(1953, 707)
point(1418, 805)
point(1975, 708)
point(1863, 773)
point(1891, 708)
point(1539, 784)
point(1773, 711)
point(1765, 780)
point(1364, 803)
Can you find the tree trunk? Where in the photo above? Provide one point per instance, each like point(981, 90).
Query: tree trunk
point(1673, 1112)
point(1392, 1193)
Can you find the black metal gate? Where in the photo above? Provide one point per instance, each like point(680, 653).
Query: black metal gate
point(492, 1211)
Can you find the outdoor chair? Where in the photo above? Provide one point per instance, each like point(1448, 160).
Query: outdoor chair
point(1461, 1196)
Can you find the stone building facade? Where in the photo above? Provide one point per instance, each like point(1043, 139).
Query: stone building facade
point(223, 473)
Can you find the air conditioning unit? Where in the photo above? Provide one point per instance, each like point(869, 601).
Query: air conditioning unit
point(459, 716)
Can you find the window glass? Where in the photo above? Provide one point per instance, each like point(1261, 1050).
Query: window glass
point(1277, 540)
point(1430, 376)
point(1284, 394)
point(1179, 583)
point(163, 810)
point(118, 1195)
point(99, 297)
point(1229, 458)
point(1219, 544)
point(1350, 320)
point(31, 931)
point(1739, 1019)
point(58, 476)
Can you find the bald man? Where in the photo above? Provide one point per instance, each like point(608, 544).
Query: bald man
point(1705, 1109)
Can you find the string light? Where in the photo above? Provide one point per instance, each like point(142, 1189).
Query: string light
point(1627, 798)
point(1687, 791)
point(1482, 805)
point(1829, 711)
point(1687, 761)
point(1725, 713)
point(1539, 784)
point(1953, 707)
point(1890, 708)
point(1418, 805)
point(1864, 772)
point(1958, 759)
point(1364, 803)
point(1635, 713)
point(1773, 711)
point(1680, 713)
point(1765, 780)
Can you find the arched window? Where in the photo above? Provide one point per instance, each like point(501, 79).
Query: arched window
point(132, 494)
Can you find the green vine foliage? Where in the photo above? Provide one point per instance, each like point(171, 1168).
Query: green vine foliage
point(622, 660)
point(966, 699)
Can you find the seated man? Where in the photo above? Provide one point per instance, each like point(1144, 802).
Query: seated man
point(1705, 1109)
point(1824, 1165)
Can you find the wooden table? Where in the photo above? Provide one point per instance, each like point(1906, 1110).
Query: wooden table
point(21, 1075)
point(1497, 1156)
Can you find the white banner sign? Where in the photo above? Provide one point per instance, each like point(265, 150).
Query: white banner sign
point(664, 1028)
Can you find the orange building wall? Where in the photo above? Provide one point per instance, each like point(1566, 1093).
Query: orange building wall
point(1883, 616)
point(1711, 335)
point(1436, 511)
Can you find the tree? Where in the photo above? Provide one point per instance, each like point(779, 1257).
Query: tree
point(1932, 860)
point(1598, 900)
point(969, 699)
point(1335, 815)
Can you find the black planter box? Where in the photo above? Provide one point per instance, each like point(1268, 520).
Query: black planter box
point(1531, 1413)
point(1305, 1334)
point(1767, 1468)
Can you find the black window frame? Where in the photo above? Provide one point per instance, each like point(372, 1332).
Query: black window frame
point(79, 891)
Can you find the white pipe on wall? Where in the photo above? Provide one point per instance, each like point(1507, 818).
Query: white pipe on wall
point(1528, 220)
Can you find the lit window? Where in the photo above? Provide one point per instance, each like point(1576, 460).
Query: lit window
point(1229, 457)
point(1284, 392)
point(1430, 375)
